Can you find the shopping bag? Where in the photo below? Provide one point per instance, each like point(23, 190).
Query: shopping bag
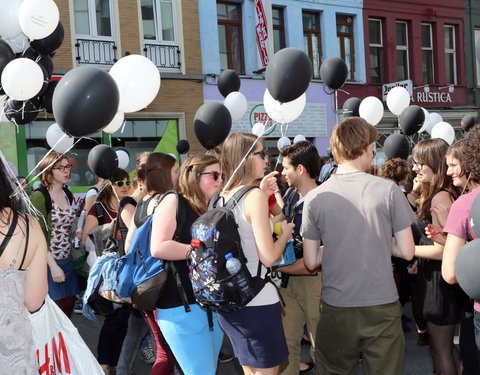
point(58, 346)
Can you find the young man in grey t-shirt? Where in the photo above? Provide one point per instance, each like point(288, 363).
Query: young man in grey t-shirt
point(355, 215)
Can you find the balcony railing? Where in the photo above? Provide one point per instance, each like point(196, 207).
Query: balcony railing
point(92, 51)
point(163, 56)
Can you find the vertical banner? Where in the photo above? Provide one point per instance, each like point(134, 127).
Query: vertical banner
point(262, 31)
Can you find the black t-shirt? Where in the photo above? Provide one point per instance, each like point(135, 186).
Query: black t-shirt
point(122, 227)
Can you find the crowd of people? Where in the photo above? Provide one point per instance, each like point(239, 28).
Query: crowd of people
point(363, 245)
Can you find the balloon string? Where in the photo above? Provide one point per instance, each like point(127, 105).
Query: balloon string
point(123, 126)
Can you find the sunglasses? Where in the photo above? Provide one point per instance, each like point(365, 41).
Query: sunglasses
point(61, 168)
point(215, 174)
point(121, 183)
point(262, 154)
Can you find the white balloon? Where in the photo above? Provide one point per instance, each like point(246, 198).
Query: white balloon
point(398, 99)
point(22, 79)
point(18, 43)
point(123, 159)
point(258, 129)
point(38, 18)
point(380, 161)
point(444, 131)
point(236, 104)
point(55, 134)
point(282, 142)
point(115, 124)
point(284, 112)
point(426, 122)
point(138, 81)
point(299, 138)
point(9, 25)
point(371, 110)
point(433, 119)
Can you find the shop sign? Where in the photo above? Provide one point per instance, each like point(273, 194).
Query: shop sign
point(407, 84)
point(433, 97)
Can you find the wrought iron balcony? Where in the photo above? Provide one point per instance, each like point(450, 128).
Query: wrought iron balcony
point(163, 56)
point(93, 51)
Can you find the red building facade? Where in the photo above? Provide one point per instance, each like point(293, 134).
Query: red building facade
point(417, 45)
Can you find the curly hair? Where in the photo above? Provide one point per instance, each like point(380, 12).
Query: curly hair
point(396, 169)
point(472, 154)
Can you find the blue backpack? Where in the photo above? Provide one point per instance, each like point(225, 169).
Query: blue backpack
point(140, 276)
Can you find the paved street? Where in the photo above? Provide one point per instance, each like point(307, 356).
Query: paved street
point(417, 362)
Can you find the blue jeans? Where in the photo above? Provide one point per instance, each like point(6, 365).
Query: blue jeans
point(476, 322)
point(193, 344)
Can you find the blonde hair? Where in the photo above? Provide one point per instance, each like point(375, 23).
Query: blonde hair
point(46, 177)
point(351, 138)
point(189, 178)
point(234, 148)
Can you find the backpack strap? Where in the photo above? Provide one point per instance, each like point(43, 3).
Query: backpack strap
point(232, 202)
point(68, 193)
point(47, 197)
point(100, 213)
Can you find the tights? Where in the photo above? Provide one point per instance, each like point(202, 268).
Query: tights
point(164, 361)
point(66, 305)
point(441, 346)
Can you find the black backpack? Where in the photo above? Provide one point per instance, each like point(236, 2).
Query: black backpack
point(214, 235)
point(48, 199)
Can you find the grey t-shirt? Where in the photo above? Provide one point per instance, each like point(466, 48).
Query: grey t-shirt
point(355, 216)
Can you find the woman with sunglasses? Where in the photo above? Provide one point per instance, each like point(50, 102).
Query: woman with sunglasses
point(256, 331)
point(104, 211)
point(441, 302)
point(195, 345)
point(159, 174)
point(56, 221)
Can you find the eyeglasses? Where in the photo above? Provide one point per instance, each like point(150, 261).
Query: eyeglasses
point(61, 168)
point(121, 183)
point(262, 154)
point(417, 165)
point(214, 174)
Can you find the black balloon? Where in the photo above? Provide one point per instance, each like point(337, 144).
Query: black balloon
point(211, 124)
point(103, 161)
point(288, 74)
point(334, 72)
point(45, 61)
point(411, 119)
point(183, 146)
point(51, 43)
point(468, 121)
point(351, 107)
point(6, 55)
point(475, 216)
point(85, 101)
point(47, 96)
point(22, 112)
point(466, 269)
point(396, 146)
point(228, 81)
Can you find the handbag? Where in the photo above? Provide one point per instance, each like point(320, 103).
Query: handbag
point(58, 345)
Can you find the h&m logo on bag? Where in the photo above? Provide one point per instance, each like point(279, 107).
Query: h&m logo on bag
point(59, 355)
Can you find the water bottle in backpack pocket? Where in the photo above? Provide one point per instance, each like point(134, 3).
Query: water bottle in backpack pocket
point(221, 283)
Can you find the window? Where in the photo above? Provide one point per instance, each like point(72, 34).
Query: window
point(92, 18)
point(345, 42)
point(158, 20)
point(427, 53)
point(311, 39)
point(477, 54)
point(403, 71)
point(450, 58)
point(230, 35)
point(376, 50)
point(278, 29)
